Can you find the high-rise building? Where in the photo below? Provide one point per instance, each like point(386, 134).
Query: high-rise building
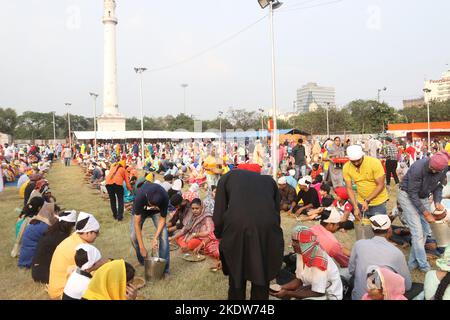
point(311, 96)
point(410, 103)
point(440, 89)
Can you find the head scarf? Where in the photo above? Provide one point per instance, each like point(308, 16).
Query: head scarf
point(149, 177)
point(341, 192)
point(392, 284)
point(47, 214)
point(93, 255)
point(177, 184)
point(249, 167)
point(91, 225)
point(190, 222)
point(312, 253)
point(439, 161)
point(71, 216)
point(108, 283)
point(39, 184)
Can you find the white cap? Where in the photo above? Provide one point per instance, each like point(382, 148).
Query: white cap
point(305, 181)
point(91, 225)
point(380, 222)
point(71, 216)
point(334, 217)
point(93, 254)
point(355, 152)
point(282, 180)
point(292, 172)
point(177, 185)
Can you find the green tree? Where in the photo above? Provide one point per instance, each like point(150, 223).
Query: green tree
point(8, 121)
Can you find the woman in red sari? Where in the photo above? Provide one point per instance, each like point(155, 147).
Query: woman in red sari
point(198, 232)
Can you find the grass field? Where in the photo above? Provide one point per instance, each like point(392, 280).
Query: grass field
point(187, 281)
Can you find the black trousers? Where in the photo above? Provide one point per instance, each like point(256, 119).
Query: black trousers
point(115, 193)
point(238, 292)
point(391, 167)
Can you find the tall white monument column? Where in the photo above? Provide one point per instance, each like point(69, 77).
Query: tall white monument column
point(111, 119)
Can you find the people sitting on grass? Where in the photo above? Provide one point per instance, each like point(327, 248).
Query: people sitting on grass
point(177, 217)
point(345, 208)
point(87, 259)
point(87, 229)
point(326, 202)
point(376, 251)
point(437, 282)
point(307, 196)
point(198, 232)
point(28, 212)
point(329, 224)
point(316, 276)
point(192, 193)
point(287, 195)
point(36, 228)
point(59, 231)
point(384, 284)
point(112, 281)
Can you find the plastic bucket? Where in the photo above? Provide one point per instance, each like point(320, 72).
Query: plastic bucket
point(363, 229)
point(154, 268)
point(441, 232)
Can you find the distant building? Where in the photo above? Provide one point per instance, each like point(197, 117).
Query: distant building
point(287, 115)
point(311, 96)
point(419, 102)
point(440, 89)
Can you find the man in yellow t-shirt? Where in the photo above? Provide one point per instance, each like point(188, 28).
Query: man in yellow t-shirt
point(369, 176)
point(209, 165)
point(447, 148)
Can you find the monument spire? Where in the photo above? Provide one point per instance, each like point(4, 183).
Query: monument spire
point(111, 119)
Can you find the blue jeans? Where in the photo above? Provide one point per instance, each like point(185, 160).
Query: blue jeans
point(300, 171)
point(374, 210)
point(67, 161)
point(419, 229)
point(164, 249)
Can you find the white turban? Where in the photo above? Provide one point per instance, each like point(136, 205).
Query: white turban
point(305, 181)
point(292, 172)
point(380, 222)
point(355, 152)
point(91, 225)
point(70, 217)
point(177, 185)
point(282, 180)
point(93, 255)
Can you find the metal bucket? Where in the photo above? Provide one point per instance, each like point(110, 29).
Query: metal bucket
point(363, 229)
point(441, 232)
point(154, 268)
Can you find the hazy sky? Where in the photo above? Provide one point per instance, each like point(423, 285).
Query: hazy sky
point(51, 52)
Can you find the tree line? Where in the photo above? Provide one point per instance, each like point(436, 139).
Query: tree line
point(359, 116)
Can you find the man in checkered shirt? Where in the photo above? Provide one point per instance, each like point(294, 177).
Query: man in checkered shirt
point(391, 153)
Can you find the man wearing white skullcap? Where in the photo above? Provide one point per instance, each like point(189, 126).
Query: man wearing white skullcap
point(88, 259)
point(87, 229)
point(309, 196)
point(376, 251)
point(368, 175)
point(287, 195)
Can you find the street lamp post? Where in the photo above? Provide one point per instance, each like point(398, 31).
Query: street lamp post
point(427, 91)
point(184, 86)
point(273, 4)
point(68, 120)
point(328, 121)
point(141, 71)
point(379, 90)
point(220, 134)
point(95, 96)
point(54, 130)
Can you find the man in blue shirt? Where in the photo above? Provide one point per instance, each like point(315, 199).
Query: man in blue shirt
point(151, 201)
point(424, 178)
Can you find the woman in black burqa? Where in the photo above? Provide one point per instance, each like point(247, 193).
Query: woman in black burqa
point(247, 222)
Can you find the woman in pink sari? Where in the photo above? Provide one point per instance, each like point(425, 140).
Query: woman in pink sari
point(384, 284)
point(198, 232)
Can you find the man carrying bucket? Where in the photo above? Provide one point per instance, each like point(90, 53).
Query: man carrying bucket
point(424, 178)
point(369, 177)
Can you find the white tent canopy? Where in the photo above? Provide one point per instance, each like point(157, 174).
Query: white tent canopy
point(136, 134)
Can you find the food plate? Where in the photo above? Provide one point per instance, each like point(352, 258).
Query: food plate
point(193, 257)
point(275, 287)
point(138, 282)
